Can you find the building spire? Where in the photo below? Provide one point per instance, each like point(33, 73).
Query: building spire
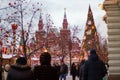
point(40, 15)
point(65, 13)
point(65, 23)
point(40, 24)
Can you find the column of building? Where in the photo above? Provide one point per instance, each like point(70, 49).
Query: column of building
point(112, 8)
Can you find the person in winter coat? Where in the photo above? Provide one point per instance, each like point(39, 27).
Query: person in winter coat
point(106, 77)
point(6, 69)
point(45, 71)
point(57, 66)
point(73, 71)
point(94, 68)
point(63, 70)
point(20, 70)
point(81, 70)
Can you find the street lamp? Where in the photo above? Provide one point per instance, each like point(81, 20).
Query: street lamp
point(1, 60)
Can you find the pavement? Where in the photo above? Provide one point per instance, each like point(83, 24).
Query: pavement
point(69, 77)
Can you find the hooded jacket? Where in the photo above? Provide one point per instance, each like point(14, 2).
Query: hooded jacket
point(94, 68)
point(20, 72)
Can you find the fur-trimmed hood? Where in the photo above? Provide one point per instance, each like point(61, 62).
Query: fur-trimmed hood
point(20, 72)
point(21, 67)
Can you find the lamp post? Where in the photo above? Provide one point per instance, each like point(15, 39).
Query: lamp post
point(0, 60)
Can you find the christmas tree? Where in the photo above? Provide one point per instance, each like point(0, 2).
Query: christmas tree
point(91, 38)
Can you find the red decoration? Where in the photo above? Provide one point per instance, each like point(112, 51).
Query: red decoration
point(15, 12)
point(1, 29)
point(14, 27)
point(22, 32)
point(4, 50)
point(9, 4)
point(7, 32)
point(1, 43)
point(14, 2)
point(5, 36)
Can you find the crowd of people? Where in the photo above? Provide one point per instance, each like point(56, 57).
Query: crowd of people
point(91, 69)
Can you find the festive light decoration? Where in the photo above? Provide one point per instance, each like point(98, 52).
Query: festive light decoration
point(91, 39)
point(14, 27)
point(93, 27)
point(45, 50)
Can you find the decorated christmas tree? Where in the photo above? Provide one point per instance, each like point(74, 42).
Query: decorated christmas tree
point(91, 38)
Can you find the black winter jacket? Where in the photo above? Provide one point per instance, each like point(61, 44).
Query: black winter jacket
point(20, 72)
point(73, 70)
point(45, 72)
point(63, 69)
point(94, 68)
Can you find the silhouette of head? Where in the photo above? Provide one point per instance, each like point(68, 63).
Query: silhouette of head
point(45, 58)
point(92, 51)
point(21, 61)
point(93, 55)
point(83, 61)
point(62, 61)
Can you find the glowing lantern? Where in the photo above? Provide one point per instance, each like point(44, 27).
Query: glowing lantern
point(45, 50)
point(93, 27)
point(89, 22)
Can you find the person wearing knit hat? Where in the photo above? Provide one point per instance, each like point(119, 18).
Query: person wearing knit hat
point(20, 70)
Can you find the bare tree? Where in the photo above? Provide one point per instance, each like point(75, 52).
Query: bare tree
point(17, 12)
